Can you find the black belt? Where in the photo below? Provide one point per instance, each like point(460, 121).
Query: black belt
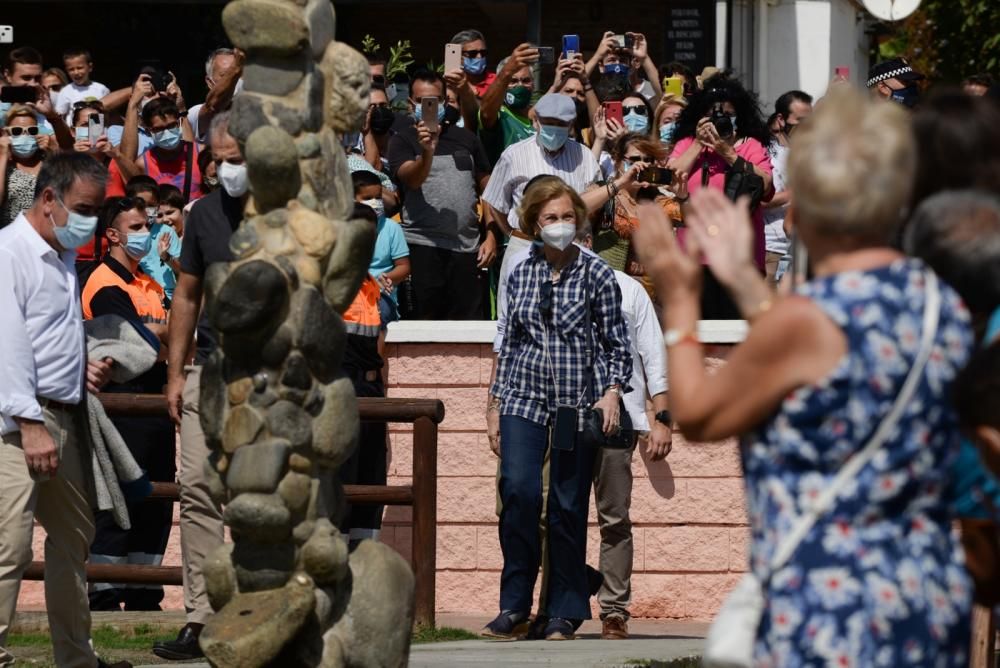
point(57, 405)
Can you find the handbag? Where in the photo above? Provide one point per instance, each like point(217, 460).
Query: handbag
point(593, 418)
point(742, 181)
point(731, 637)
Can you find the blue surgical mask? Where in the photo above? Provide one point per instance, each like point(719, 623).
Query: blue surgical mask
point(4, 108)
point(552, 137)
point(138, 244)
point(474, 66)
point(168, 139)
point(82, 133)
point(667, 132)
point(636, 122)
point(24, 146)
point(77, 231)
point(418, 112)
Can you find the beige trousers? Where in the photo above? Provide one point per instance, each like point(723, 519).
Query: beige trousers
point(613, 497)
point(201, 517)
point(62, 505)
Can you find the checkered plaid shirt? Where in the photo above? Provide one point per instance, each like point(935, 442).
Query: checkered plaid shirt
point(531, 383)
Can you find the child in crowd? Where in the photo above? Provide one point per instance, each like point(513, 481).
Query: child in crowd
point(78, 66)
point(162, 262)
point(391, 259)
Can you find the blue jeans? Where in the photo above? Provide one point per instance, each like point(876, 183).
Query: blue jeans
point(523, 445)
point(387, 310)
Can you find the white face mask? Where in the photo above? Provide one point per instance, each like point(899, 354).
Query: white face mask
point(377, 204)
point(559, 235)
point(234, 179)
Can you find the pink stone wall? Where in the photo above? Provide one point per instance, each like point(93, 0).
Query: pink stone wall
point(688, 512)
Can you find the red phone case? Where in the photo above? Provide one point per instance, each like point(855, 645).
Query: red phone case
point(614, 110)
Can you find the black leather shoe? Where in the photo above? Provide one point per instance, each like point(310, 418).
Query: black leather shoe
point(184, 647)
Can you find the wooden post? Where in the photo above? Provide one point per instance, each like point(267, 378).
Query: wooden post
point(424, 518)
point(983, 638)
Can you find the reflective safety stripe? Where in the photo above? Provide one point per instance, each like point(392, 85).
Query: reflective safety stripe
point(362, 330)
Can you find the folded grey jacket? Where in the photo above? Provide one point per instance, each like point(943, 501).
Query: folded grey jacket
point(116, 473)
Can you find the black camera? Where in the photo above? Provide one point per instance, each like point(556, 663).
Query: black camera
point(160, 81)
point(723, 124)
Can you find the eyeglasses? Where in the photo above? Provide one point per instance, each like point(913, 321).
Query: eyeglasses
point(636, 108)
point(545, 299)
point(640, 158)
point(524, 81)
point(17, 130)
point(474, 53)
point(88, 104)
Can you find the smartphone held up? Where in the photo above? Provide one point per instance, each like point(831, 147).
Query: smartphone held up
point(429, 112)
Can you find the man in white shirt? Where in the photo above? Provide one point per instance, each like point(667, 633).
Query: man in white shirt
point(45, 462)
point(613, 468)
point(223, 70)
point(791, 109)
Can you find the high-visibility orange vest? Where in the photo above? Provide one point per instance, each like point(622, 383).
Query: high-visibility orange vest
point(362, 315)
point(145, 293)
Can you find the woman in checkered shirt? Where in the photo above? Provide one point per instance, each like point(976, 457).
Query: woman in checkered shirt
point(566, 345)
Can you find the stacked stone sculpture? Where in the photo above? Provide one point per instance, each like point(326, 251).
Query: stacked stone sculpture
point(277, 415)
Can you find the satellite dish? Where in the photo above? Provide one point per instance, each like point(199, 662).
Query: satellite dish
point(891, 10)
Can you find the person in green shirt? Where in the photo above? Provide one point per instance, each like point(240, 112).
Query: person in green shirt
point(504, 109)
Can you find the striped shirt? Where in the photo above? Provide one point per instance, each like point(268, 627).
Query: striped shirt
point(530, 383)
point(525, 160)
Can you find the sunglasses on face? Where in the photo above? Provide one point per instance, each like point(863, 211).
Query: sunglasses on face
point(637, 108)
point(17, 130)
point(639, 158)
point(545, 299)
point(88, 104)
point(474, 53)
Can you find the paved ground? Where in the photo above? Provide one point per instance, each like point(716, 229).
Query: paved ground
point(660, 640)
point(651, 639)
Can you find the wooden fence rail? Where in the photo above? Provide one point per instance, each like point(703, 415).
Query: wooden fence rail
point(425, 414)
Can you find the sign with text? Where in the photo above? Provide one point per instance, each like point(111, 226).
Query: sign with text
point(691, 33)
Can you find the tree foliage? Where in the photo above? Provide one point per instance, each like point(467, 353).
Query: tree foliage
point(950, 39)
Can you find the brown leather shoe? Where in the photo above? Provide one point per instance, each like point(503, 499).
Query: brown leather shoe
point(614, 628)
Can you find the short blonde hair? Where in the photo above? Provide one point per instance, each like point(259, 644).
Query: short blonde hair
point(851, 167)
point(541, 191)
point(20, 111)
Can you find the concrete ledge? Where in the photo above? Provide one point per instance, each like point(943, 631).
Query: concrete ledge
point(484, 331)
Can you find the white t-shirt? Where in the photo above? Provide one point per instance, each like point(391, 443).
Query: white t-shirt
point(775, 240)
point(71, 94)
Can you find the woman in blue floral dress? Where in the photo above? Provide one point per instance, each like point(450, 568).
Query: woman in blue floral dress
point(879, 580)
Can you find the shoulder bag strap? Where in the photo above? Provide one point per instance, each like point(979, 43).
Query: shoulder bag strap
point(850, 470)
point(188, 166)
point(589, 324)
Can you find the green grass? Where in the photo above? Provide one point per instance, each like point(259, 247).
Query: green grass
point(140, 636)
point(689, 662)
point(443, 634)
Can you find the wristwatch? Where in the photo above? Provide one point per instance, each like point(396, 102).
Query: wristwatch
point(664, 418)
point(616, 389)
